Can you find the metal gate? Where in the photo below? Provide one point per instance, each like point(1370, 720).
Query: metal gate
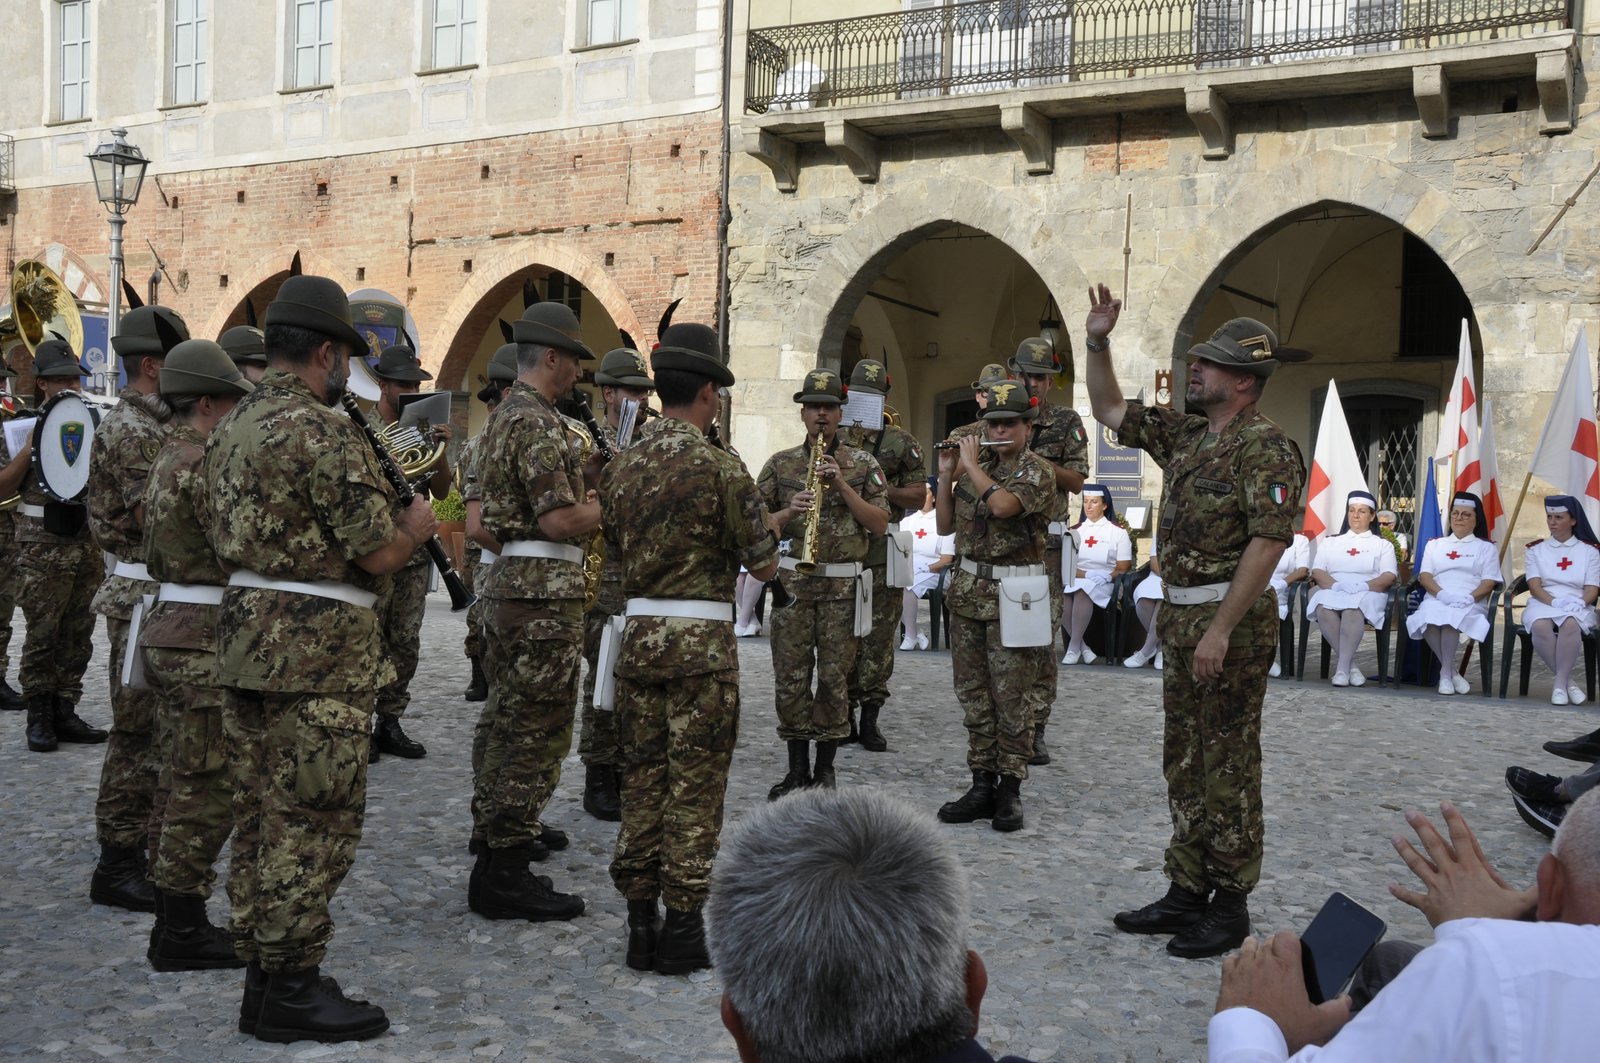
point(1385, 430)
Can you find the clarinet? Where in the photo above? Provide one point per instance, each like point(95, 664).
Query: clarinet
point(460, 597)
point(601, 447)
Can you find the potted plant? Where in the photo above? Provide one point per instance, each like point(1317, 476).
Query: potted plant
point(452, 515)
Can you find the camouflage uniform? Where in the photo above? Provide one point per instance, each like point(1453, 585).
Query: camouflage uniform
point(125, 446)
point(533, 617)
point(992, 681)
point(816, 634)
point(1059, 438)
point(468, 458)
point(296, 494)
point(9, 409)
point(597, 741)
point(677, 698)
point(900, 456)
point(1220, 492)
point(400, 615)
point(194, 800)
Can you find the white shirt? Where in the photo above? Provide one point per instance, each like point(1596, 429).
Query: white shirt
point(1486, 991)
point(1101, 544)
point(1295, 557)
point(926, 542)
point(1355, 556)
point(1458, 565)
point(1563, 569)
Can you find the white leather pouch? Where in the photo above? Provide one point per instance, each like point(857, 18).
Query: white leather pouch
point(1025, 611)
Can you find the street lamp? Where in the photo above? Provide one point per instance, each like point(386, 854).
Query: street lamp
point(118, 169)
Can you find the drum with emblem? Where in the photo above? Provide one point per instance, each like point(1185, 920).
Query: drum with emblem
point(61, 442)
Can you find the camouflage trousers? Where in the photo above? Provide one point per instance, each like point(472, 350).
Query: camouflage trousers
point(534, 651)
point(300, 792)
point(1211, 756)
point(1042, 695)
point(677, 744)
point(597, 736)
point(123, 811)
point(472, 645)
point(992, 684)
point(55, 584)
point(813, 638)
point(869, 679)
point(400, 616)
point(193, 806)
point(8, 589)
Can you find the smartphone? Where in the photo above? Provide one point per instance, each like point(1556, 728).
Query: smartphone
point(1335, 944)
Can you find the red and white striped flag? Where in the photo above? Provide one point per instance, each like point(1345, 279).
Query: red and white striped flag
point(1568, 454)
point(1335, 470)
point(1458, 428)
point(1494, 512)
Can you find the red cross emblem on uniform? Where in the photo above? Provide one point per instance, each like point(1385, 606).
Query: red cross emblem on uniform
point(1564, 564)
point(1452, 555)
point(1090, 541)
point(922, 533)
point(1352, 551)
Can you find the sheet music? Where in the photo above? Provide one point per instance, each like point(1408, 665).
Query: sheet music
point(627, 419)
point(863, 409)
point(432, 408)
point(19, 435)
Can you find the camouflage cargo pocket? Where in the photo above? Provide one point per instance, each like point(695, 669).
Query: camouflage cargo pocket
point(197, 741)
point(331, 768)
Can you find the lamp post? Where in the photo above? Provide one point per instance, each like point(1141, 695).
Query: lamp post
point(118, 169)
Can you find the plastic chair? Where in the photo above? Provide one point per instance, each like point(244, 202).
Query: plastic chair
point(1513, 631)
point(938, 611)
point(1297, 600)
point(1390, 611)
point(1485, 649)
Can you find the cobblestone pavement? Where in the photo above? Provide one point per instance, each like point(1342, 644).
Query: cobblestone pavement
point(1341, 765)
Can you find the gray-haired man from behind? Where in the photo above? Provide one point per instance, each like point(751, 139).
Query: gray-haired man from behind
point(838, 922)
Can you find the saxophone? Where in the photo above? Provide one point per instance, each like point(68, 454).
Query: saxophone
point(806, 560)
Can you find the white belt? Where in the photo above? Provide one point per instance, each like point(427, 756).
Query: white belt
point(849, 570)
point(190, 594)
point(487, 556)
point(685, 608)
point(1202, 595)
point(36, 512)
point(129, 570)
point(542, 548)
point(987, 571)
point(1057, 527)
point(342, 592)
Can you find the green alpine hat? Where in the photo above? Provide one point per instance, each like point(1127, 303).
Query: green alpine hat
point(1246, 345)
point(201, 367)
point(624, 368)
point(993, 373)
point(551, 325)
point(870, 375)
point(317, 304)
point(55, 358)
point(1035, 355)
point(1007, 401)
point(149, 331)
point(503, 366)
point(692, 348)
point(822, 386)
point(245, 344)
point(398, 362)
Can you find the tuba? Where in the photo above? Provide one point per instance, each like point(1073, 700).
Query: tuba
point(806, 560)
point(41, 305)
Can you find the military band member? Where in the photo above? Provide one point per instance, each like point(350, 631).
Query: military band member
point(1058, 437)
point(247, 346)
point(400, 613)
point(538, 509)
point(816, 635)
point(996, 500)
point(1229, 506)
point(304, 520)
point(622, 375)
point(10, 408)
point(681, 516)
point(194, 800)
point(988, 376)
point(125, 446)
point(906, 473)
point(502, 373)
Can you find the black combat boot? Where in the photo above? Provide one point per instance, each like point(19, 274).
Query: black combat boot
point(552, 839)
point(799, 775)
point(188, 941)
point(10, 700)
point(822, 774)
point(872, 739)
point(976, 803)
point(304, 1006)
point(255, 988)
point(681, 948)
point(600, 798)
point(119, 879)
point(1223, 928)
point(511, 891)
point(70, 727)
point(478, 688)
point(1179, 910)
point(643, 918)
point(1008, 804)
point(1041, 753)
point(854, 735)
point(389, 737)
point(41, 723)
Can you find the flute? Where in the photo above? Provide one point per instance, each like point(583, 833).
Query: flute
point(947, 445)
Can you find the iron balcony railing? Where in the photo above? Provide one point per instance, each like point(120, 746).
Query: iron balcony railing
point(1006, 44)
point(8, 163)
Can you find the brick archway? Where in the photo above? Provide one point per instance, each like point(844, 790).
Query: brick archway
point(264, 277)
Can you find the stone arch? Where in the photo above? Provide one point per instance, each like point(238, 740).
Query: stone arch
point(1331, 178)
point(495, 278)
point(273, 266)
point(84, 282)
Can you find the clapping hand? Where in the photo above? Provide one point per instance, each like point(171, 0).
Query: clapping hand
point(1458, 880)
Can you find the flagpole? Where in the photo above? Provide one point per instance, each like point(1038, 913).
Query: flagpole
point(1515, 510)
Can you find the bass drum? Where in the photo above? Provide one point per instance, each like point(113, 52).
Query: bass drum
point(61, 442)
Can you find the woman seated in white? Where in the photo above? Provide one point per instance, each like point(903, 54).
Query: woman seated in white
point(1563, 581)
point(931, 554)
point(1104, 552)
point(1354, 571)
point(1294, 565)
point(1459, 571)
point(1147, 604)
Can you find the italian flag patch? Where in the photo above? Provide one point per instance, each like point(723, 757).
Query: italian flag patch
point(1279, 493)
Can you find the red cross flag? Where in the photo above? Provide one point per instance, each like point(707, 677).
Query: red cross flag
point(1335, 470)
point(1494, 511)
point(1458, 428)
point(1568, 454)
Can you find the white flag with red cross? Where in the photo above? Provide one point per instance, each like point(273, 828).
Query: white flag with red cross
point(1335, 470)
point(1568, 454)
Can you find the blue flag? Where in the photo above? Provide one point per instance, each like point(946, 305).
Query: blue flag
point(1420, 666)
point(1429, 526)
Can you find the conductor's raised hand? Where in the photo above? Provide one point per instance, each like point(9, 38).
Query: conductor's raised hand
point(1103, 313)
